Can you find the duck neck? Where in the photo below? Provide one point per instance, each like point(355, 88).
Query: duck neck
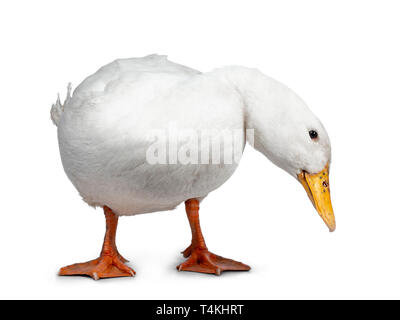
point(265, 101)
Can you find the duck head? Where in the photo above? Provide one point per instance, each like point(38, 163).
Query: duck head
point(290, 135)
point(299, 144)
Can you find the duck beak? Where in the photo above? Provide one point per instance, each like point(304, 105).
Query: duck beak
point(317, 188)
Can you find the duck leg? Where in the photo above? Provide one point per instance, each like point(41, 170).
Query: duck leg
point(199, 258)
point(110, 264)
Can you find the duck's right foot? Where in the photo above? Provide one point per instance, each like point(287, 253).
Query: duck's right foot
point(103, 267)
point(110, 264)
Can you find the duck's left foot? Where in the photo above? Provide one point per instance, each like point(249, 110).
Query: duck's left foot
point(201, 260)
point(187, 252)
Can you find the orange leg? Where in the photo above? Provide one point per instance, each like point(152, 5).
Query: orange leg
point(110, 264)
point(199, 258)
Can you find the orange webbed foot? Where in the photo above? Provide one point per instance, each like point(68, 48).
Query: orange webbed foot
point(103, 267)
point(201, 260)
point(187, 252)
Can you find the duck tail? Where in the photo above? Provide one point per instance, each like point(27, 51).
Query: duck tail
point(57, 108)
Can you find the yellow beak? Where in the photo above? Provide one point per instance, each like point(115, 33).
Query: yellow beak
point(317, 188)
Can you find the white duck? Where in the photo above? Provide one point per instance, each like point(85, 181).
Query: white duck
point(106, 137)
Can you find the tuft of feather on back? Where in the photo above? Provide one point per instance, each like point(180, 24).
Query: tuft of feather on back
point(57, 108)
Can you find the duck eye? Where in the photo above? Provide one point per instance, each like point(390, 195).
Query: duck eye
point(313, 134)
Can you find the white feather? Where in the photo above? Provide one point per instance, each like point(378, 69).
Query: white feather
point(58, 108)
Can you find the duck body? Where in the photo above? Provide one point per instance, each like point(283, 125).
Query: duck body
point(108, 125)
point(145, 134)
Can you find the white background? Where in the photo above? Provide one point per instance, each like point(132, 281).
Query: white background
point(341, 57)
